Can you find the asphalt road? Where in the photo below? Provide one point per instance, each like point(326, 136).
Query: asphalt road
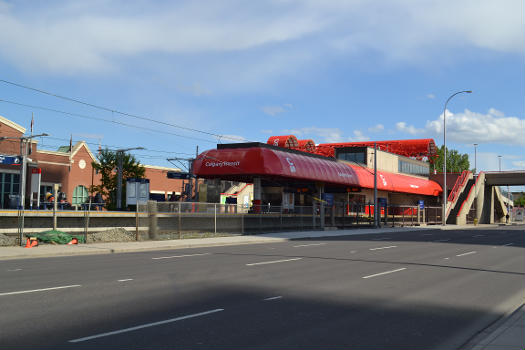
point(427, 289)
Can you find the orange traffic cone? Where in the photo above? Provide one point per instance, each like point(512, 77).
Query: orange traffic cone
point(73, 241)
point(28, 243)
point(34, 243)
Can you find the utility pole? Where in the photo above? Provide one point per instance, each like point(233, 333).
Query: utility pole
point(376, 209)
point(24, 141)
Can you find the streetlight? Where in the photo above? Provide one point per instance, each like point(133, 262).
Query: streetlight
point(475, 159)
point(499, 161)
point(444, 219)
point(120, 154)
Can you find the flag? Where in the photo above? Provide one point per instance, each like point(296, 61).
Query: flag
point(32, 122)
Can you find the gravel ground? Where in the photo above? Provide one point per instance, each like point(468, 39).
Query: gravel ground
point(7, 240)
point(113, 235)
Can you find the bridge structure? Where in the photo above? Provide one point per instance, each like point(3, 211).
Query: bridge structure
point(479, 197)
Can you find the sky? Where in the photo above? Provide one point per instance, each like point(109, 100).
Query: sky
point(172, 76)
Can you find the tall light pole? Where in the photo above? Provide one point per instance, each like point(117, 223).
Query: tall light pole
point(499, 161)
point(120, 155)
point(475, 159)
point(443, 216)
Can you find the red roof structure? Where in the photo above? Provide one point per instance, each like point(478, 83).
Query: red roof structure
point(243, 162)
point(418, 148)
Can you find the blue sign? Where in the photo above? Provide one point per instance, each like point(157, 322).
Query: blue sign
point(421, 204)
point(329, 198)
point(10, 160)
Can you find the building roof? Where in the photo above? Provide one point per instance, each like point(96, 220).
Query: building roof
point(242, 164)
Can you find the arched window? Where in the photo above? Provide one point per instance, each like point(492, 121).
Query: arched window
point(80, 195)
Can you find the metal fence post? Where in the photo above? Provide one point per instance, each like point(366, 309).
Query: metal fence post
point(179, 219)
point(137, 222)
point(215, 218)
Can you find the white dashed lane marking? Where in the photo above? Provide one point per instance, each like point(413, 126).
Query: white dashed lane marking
point(390, 246)
point(385, 273)
point(308, 245)
point(272, 262)
point(179, 256)
point(273, 298)
point(467, 253)
point(40, 290)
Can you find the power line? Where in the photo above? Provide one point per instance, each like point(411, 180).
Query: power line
point(113, 146)
point(121, 113)
point(103, 120)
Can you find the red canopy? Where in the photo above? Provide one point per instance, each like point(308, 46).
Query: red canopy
point(244, 163)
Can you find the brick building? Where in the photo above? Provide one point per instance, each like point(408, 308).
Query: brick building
point(69, 167)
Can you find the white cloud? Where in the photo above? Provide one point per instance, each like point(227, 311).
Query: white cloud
point(195, 89)
point(431, 96)
point(359, 136)
point(520, 164)
point(403, 127)
point(472, 127)
point(377, 128)
point(95, 36)
point(272, 110)
point(326, 135)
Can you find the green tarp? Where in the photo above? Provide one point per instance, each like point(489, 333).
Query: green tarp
point(56, 237)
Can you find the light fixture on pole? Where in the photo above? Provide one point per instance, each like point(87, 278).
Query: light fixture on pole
point(444, 213)
point(475, 159)
point(120, 155)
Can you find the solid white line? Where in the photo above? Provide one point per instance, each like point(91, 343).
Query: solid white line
point(308, 245)
point(274, 298)
point(125, 280)
point(442, 240)
point(179, 256)
point(13, 270)
point(131, 329)
point(40, 290)
point(385, 273)
point(506, 245)
point(390, 246)
point(272, 262)
point(468, 253)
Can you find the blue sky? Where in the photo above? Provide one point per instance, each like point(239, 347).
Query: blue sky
point(325, 70)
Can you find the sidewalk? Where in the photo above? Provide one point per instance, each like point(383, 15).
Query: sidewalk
point(50, 250)
point(506, 334)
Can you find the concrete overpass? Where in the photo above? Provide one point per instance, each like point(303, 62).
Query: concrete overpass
point(479, 197)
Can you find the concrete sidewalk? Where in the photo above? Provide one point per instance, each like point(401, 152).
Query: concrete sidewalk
point(50, 250)
point(506, 334)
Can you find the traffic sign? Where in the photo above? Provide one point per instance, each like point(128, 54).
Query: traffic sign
point(178, 175)
point(10, 160)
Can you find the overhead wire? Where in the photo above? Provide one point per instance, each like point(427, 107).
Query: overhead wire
point(122, 113)
point(104, 120)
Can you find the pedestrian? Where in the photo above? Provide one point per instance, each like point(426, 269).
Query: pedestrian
point(507, 217)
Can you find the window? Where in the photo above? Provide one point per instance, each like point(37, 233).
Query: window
point(411, 168)
point(9, 185)
point(80, 195)
point(352, 154)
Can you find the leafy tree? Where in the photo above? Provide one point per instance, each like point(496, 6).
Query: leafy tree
point(520, 201)
point(107, 168)
point(456, 162)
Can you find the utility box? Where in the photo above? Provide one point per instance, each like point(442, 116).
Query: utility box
point(137, 191)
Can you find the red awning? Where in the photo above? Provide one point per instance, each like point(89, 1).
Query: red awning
point(231, 163)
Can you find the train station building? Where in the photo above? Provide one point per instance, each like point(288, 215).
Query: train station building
point(69, 167)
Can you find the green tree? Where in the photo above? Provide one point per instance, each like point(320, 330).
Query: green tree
point(106, 166)
point(456, 162)
point(520, 201)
